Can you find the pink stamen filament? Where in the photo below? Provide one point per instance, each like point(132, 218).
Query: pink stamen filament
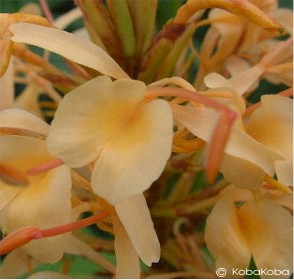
point(44, 167)
point(23, 236)
point(223, 127)
point(47, 11)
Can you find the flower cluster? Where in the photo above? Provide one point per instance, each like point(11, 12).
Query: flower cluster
point(156, 136)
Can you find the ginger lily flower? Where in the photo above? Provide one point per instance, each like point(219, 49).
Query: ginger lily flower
point(245, 153)
point(128, 136)
point(240, 227)
point(272, 125)
point(41, 200)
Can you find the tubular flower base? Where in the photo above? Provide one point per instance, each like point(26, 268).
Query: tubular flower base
point(121, 139)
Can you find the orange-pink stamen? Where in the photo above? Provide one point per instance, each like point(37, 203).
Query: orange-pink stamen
point(23, 236)
point(223, 128)
point(45, 167)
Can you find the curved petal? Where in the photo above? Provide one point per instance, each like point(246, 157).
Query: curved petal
point(7, 194)
point(136, 157)
point(272, 124)
point(135, 217)
point(44, 203)
point(90, 116)
point(127, 260)
point(284, 171)
point(69, 45)
point(242, 173)
point(22, 152)
point(215, 80)
point(201, 122)
point(17, 118)
point(269, 230)
point(173, 80)
point(224, 237)
point(7, 87)
point(15, 265)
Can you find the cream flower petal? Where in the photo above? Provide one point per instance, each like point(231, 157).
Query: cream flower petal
point(224, 238)
point(15, 264)
point(127, 260)
point(90, 116)
point(272, 124)
point(235, 65)
point(23, 152)
point(20, 119)
point(7, 193)
point(7, 88)
point(135, 217)
point(284, 171)
point(215, 80)
point(44, 203)
point(136, 157)
point(241, 173)
point(69, 45)
point(244, 81)
point(173, 80)
point(269, 231)
point(201, 122)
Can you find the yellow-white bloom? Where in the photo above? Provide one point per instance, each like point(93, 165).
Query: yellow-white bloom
point(42, 201)
point(113, 124)
point(253, 149)
point(240, 227)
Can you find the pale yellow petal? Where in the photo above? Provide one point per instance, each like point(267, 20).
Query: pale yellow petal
point(44, 203)
point(7, 87)
point(201, 122)
point(69, 45)
point(272, 124)
point(127, 260)
point(215, 80)
point(243, 146)
point(7, 194)
point(90, 116)
point(17, 118)
point(225, 239)
point(178, 81)
point(285, 17)
point(15, 265)
point(5, 42)
point(241, 173)
point(269, 230)
point(135, 217)
point(284, 171)
point(243, 81)
point(136, 156)
point(235, 65)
